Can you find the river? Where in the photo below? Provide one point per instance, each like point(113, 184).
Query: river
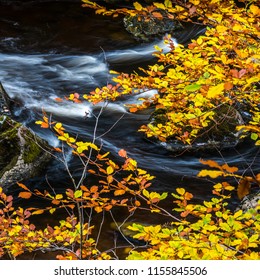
point(49, 50)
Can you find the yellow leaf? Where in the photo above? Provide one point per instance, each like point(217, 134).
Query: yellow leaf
point(195, 2)
point(52, 210)
point(180, 191)
point(59, 196)
point(110, 170)
point(237, 27)
point(138, 6)
point(146, 193)
point(210, 173)
point(255, 10)
point(159, 6)
point(215, 91)
point(199, 40)
point(58, 125)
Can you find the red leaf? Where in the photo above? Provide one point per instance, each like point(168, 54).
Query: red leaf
point(192, 10)
point(241, 73)
point(76, 95)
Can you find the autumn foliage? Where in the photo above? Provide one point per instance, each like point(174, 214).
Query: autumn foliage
point(220, 67)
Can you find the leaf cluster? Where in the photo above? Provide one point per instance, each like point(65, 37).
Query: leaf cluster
point(220, 67)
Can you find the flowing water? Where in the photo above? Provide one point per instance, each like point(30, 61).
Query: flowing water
point(49, 50)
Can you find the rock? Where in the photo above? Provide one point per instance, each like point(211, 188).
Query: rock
point(22, 153)
point(221, 133)
point(146, 30)
point(251, 201)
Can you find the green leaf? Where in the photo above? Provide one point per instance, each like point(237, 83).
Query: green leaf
point(225, 227)
point(193, 87)
point(206, 75)
point(163, 195)
point(254, 136)
point(78, 193)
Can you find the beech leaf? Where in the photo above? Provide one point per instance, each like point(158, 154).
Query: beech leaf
point(25, 195)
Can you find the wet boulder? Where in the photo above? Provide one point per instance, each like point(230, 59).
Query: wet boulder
point(220, 134)
point(23, 154)
point(146, 30)
point(251, 201)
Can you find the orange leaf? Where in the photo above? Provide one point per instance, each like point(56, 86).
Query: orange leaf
point(55, 201)
point(110, 179)
point(234, 73)
point(58, 99)
point(258, 178)
point(108, 207)
point(44, 125)
point(133, 110)
point(25, 195)
point(98, 209)
point(229, 169)
point(84, 188)
point(58, 150)
point(77, 100)
point(23, 186)
point(119, 192)
point(243, 188)
point(137, 203)
point(94, 189)
point(157, 15)
point(188, 196)
point(37, 212)
point(210, 163)
point(228, 86)
point(122, 153)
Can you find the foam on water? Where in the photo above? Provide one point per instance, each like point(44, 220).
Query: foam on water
point(139, 53)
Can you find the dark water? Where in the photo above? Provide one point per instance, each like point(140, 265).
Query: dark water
point(49, 50)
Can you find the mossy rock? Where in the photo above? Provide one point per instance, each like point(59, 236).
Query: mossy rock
point(159, 116)
point(223, 126)
point(221, 132)
point(146, 30)
point(22, 154)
